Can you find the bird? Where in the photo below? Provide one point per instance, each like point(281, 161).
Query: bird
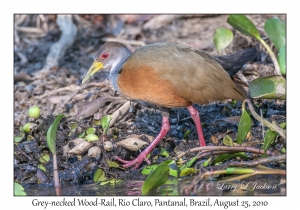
point(170, 75)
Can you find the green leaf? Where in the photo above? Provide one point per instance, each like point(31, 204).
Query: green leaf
point(187, 171)
point(90, 131)
point(18, 189)
point(112, 164)
point(45, 158)
point(40, 166)
point(173, 167)
point(275, 28)
point(81, 134)
point(282, 59)
point(164, 153)
point(72, 126)
point(157, 178)
point(51, 134)
point(270, 137)
point(244, 127)
point(239, 170)
point(97, 122)
point(206, 163)
point(105, 123)
point(99, 175)
point(227, 140)
point(270, 87)
point(186, 134)
point(148, 169)
point(104, 182)
point(189, 163)
point(225, 157)
point(92, 137)
point(222, 38)
point(17, 139)
point(243, 25)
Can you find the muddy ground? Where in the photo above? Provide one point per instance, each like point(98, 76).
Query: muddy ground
point(59, 90)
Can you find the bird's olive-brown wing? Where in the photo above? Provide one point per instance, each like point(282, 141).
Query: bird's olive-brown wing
point(195, 75)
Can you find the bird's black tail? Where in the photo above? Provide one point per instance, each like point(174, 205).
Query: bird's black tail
point(234, 62)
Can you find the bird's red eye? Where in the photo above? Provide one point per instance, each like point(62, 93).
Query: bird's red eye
point(104, 55)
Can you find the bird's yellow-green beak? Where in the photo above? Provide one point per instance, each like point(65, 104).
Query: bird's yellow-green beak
point(94, 68)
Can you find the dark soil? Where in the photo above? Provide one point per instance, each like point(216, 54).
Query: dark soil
point(36, 88)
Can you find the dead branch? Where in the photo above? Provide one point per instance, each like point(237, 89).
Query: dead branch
point(58, 49)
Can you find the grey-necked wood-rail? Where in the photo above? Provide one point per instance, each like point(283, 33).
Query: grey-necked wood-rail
point(170, 75)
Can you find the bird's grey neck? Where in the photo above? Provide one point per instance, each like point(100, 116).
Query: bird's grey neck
point(116, 69)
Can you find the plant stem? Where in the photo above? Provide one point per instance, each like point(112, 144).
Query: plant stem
point(273, 57)
point(272, 126)
point(55, 176)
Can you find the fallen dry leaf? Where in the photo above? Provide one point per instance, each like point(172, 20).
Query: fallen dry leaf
point(132, 144)
point(214, 140)
point(80, 147)
point(232, 120)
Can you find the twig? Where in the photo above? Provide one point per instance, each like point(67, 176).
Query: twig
point(250, 163)
point(272, 126)
point(242, 77)
point(30, 30)
point(262, 124)
point(228, 148)
point(123, 41)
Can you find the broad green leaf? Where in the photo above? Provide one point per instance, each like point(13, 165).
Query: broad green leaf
point(282, 59)
point(186, 134)
point(99, 175)
point(222, 38)
point(90, 131)
point(148, 169)
point(18, 189)
point(243, 25)
point(105, 123)
point(40, 166)
point(112, 164)
point(188, 164)
point(225, 157)
point(239, 170)
point(92, 137)
point(227, 140)
point(45, 158)
point(244, 126)
point(283, 150)
point(270, 137)
point(187, 171)
point(275, 28)
point(51, 134)
point(157, 178)
point(270, 87)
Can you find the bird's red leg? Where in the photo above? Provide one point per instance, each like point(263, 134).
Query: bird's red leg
point(196, 117)
point(142, 156)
